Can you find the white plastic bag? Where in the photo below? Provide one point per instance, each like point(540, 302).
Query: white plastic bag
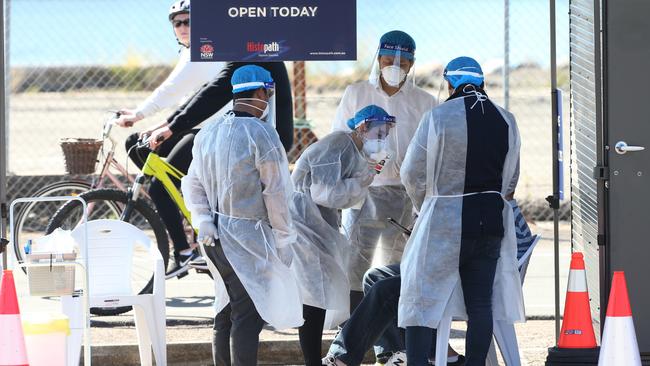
point(59, 241)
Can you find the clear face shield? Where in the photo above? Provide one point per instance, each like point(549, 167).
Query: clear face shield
point(393, 64)
point(375, 138)
point(268, 115)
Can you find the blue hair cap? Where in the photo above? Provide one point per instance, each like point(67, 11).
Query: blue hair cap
point(250, 77)
point(463, 70)
point(397, 42)
point(371, 113)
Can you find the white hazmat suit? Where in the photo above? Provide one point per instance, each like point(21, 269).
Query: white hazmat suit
point(434, 176)
point(330, 175)
point(367, 227)
point(240, 173)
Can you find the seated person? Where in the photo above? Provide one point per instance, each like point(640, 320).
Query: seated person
point(375, 320)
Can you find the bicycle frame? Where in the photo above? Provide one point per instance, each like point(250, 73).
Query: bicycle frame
point(111, 162)
point(158, 168)
point(105, 172)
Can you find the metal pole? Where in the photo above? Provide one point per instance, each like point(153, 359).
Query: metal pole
point(3, 138)
point(506, 54)
point(554, 200)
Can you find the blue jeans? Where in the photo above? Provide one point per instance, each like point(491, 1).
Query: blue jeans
point(477, 266)
point(392, 340)
point(374, 321)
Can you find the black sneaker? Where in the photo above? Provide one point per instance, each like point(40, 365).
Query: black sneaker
point(181, 265)
point(199, 263)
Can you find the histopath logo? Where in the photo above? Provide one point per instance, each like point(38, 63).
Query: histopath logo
point(262, 48)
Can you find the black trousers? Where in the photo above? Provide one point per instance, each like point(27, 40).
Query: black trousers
point(237, 327)
point(311, 334)
point(178, 151)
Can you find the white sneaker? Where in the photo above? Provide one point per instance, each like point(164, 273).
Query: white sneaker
point(328, 361)
point(397, 359)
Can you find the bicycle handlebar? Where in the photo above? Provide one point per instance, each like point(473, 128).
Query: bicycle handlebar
point(108, 125)
point(145, 140)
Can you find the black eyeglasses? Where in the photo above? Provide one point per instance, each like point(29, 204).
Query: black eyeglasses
point(178, 23)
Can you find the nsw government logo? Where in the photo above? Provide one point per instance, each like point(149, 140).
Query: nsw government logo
point(207, 52)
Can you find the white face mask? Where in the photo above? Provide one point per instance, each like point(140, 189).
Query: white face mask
point(265, 111)
point(393, 75)
point(375, 149)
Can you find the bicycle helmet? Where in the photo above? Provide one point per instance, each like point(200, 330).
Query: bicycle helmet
point(179, 7)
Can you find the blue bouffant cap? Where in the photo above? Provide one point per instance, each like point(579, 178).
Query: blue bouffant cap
point(395, 42)
point(463, 70)
point(371, 113)
point(250, 77)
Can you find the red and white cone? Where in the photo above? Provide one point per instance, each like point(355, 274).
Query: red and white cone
point(577, 328)
point(12, 340)
point(619, 345)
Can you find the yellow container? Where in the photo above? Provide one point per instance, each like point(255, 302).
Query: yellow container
point(46, 338)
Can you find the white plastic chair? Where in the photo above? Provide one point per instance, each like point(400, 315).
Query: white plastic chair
point(111, 245)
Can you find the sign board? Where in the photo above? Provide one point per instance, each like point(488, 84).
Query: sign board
point(273, 30)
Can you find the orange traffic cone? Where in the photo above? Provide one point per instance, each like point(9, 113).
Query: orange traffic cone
point(577, 328)
point(619, 346)
point(12, 341)
point(577, 343)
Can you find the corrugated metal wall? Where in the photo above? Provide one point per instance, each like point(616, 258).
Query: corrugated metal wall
point(584, 121)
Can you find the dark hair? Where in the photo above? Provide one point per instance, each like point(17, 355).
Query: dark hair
point(482, 86)
point(244, 94)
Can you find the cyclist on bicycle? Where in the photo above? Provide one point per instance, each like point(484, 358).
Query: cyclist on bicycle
point(174, 138)
point(185, 79)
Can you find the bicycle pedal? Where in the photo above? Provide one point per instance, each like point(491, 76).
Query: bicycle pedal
point(182, 274)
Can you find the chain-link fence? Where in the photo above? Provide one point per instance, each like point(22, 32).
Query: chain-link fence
point(72, 61)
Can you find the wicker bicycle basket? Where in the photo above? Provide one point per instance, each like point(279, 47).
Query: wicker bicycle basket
point(80, 154)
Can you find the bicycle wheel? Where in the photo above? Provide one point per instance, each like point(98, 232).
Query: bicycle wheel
point(100, 206)
point(32, 218)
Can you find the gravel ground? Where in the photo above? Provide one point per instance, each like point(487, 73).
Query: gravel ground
point(535, 336)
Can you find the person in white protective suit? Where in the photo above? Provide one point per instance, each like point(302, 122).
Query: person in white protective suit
point(391, 88)
point(461, 259)
point(238, 189)
point(331, 174)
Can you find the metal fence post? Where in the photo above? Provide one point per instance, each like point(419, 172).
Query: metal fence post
point(506, 54)
point(3, 138)
point(554, 199)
